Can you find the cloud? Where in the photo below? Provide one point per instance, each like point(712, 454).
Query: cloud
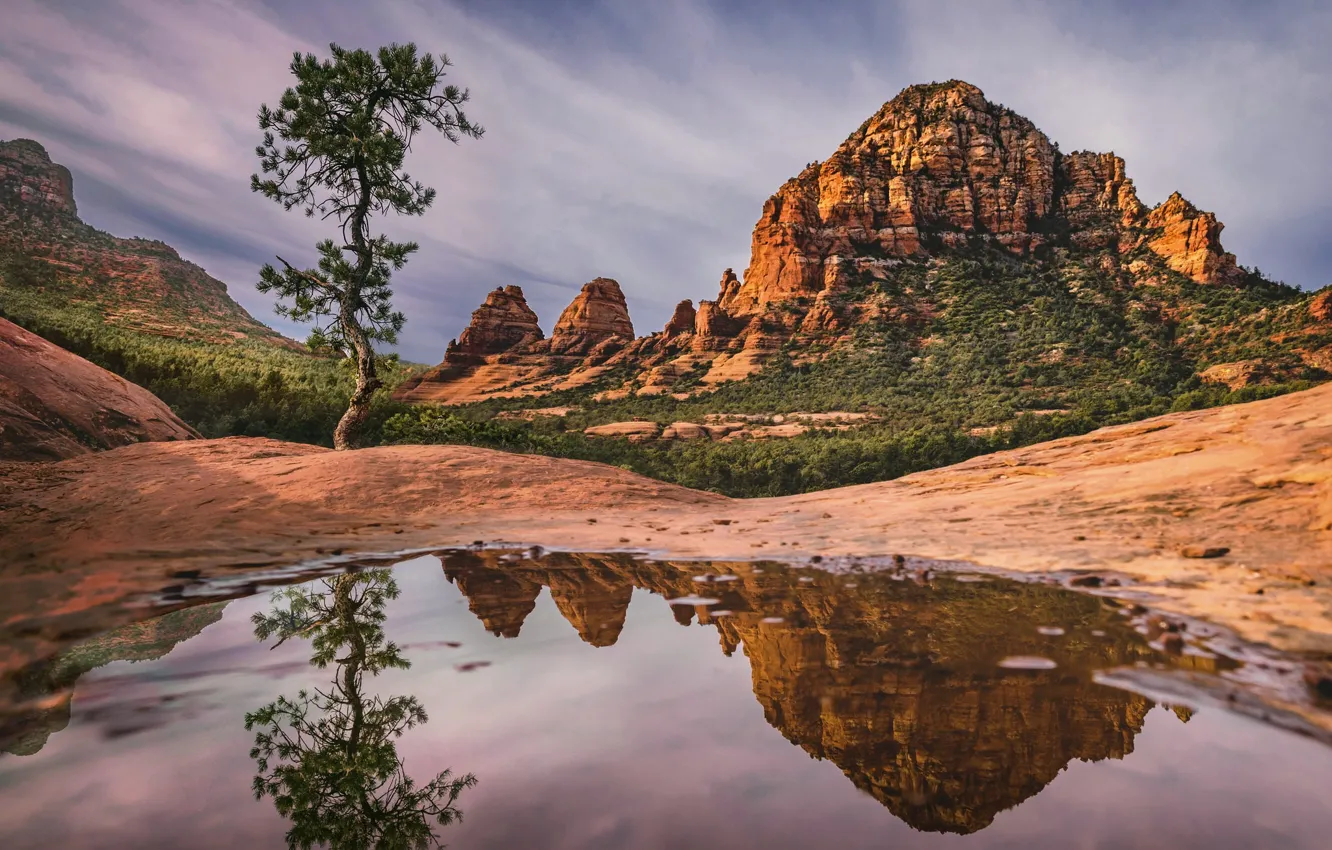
point(639, 140)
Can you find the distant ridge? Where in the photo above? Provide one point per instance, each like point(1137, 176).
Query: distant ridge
point(138, 284)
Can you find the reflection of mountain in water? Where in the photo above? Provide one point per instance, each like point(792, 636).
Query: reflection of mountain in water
point(894, 681)
point(50, 683)
point(594, 598)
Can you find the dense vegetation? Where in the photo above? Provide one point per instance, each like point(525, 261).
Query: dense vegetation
point(993, 353)
point(251, 387)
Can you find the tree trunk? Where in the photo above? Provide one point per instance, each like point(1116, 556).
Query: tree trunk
point(367, 381)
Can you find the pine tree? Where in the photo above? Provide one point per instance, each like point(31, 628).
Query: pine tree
point(335, 146)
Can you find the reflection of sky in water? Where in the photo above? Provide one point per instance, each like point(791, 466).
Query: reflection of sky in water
point(654, 742)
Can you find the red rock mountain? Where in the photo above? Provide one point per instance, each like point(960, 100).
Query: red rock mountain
point(55, 405)
point(938, 171)
point(139, 284)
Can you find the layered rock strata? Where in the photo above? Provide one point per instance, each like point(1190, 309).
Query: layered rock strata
point(597, 317)
point(502, 322)
point(504, 352)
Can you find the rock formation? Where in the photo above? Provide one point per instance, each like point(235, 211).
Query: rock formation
point(1190, 241)
point(895, 682)
point(137, 284)
point(682, 320)
point(503, 352)
point(597, 316)
point(32, 187)
point(502, 322)
point(937, 172)
point(54, 404)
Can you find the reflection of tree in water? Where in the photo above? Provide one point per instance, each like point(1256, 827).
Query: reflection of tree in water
point(329, 757)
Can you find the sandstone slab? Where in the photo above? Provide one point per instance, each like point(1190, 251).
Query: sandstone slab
point(55, 405)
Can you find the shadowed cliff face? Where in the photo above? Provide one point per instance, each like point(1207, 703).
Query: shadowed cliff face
point(894, 678)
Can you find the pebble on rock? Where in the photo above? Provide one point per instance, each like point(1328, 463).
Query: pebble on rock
point(1198, 551)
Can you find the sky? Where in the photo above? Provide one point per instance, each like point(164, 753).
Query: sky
point(638, 139)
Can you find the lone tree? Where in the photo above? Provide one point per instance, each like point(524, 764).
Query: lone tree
point(335, 146)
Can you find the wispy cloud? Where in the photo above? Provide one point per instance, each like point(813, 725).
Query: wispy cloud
point(639, 140)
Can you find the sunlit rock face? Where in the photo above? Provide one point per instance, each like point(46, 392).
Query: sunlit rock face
point(502, 322)
point(894, 681)
point(503, 348)
point(939, 165)
point(936, 172)
point(598, 316)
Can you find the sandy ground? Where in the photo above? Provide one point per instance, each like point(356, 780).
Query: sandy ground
point(85, 533)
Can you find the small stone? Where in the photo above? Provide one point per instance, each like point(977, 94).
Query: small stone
point(1086, 581)
point(1198, 551)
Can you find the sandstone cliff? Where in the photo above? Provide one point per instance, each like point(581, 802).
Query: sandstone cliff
point(596, 317)
point(54, 404)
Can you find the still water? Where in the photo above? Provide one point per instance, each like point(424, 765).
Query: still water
point(483, 701)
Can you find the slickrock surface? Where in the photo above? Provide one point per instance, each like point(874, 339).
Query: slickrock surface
point(1255, 479)
point(54, 404)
